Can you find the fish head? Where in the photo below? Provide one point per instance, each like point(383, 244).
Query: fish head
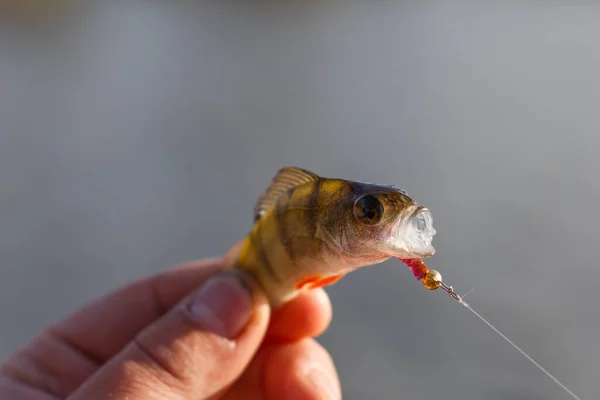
point(384, 222)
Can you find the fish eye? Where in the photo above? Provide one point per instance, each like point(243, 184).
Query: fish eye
point(368, 209)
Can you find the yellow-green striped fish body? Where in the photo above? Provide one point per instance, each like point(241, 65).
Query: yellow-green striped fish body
point(310, 231)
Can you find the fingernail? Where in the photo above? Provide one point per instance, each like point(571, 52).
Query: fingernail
point(223, 305)
point(323, 384)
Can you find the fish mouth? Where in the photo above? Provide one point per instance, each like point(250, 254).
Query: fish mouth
point(411, 237)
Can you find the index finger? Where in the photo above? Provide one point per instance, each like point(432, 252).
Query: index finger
point(103, 327)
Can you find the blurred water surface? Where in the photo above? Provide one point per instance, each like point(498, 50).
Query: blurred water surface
point(136, 135)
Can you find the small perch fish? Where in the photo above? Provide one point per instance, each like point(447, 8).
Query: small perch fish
point(310, 231)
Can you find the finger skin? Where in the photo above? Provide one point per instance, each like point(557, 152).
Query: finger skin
point(173, 358)
point(308, 315)
point(280, 372)
point(296, 384)
point(62, 357)
point(11, 389)
point(49, 365)
point(102, 328)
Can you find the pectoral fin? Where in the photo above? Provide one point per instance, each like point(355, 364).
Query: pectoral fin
point(314, 282)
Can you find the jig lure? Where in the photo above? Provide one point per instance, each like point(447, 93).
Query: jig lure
point(310, 231)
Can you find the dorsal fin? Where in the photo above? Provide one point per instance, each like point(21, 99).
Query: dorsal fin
point(284, 180)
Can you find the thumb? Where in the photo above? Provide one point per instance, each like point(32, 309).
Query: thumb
point(196, 350)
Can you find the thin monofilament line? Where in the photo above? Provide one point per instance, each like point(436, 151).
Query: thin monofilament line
point(521, 351)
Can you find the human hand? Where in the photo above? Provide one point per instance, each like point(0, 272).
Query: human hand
point(192, 332)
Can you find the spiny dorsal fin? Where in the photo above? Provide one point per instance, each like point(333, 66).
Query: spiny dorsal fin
point(285, 179)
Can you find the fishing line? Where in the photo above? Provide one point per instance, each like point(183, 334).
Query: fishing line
point(520, 350)
point(432, 280)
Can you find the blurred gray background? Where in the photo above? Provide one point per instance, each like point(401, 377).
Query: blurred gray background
point(138, 134)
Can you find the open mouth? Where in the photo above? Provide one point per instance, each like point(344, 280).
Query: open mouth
point(413, 235)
